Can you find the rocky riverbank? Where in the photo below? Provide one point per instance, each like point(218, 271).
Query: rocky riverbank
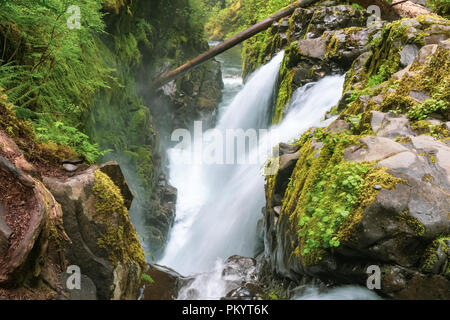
point(372, 188)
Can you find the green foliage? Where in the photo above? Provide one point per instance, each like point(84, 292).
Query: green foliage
point(333, 197)
point(439, 131)
point(431, 256)
point(48, 69)
point(356, 94)
point(47, 130)
point(441, 7)
point(241, 14)
point(147, 278)
point(326, 195)
point(206, 9)
point(357, 6)
point(420, 112)
point(384, 72)
point(375, 80)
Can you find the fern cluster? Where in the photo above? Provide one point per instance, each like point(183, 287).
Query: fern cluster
point(50, 72)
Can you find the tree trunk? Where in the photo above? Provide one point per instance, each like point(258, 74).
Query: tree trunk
point(240, 37)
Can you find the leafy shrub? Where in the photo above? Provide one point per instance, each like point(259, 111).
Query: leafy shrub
point(147, 278)
point(49, 131)
point(420, 112)
point(49, 69)
point(332, 199)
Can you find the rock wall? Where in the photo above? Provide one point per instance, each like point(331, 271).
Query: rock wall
point(373, 187)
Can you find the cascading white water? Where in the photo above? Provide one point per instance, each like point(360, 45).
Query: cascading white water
point(215, 218)
point(219, 205)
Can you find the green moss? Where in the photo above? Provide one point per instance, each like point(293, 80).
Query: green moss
point(403, 139)
point(429, 258)
point(439, 131)
point(119, 239)
point(145, 277)
point(429, 78)
point(375, 176)
point(413, 223)
point(286, 75)
point(11, 124)
point(384, 52)
point(383, 62)
point(334, 46)
point(441, 7)
point(23, 134)
point(420, 112)
point(326, 196)
point(284, 95)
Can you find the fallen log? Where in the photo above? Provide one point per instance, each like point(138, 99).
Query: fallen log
point(389, 12)
point(240, 37)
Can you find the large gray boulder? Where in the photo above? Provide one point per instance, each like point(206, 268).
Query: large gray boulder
point(104, 243)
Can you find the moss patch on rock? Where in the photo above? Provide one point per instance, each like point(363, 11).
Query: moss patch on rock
point(326, 195)
point(119, 239)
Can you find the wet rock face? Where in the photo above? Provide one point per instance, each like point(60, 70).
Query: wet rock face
point(419, 207)
point(326, 18)
point(194, 97)
point(164, 285)
point(104, 243)
point(242, 274)
point(236, 278)
point(240, 268)
point(397, 231)
point(313, 29)
point(248, 291)
point(160, 221)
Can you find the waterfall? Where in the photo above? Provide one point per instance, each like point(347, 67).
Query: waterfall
point(347, 292)
point(219, 205)
point(215, 218)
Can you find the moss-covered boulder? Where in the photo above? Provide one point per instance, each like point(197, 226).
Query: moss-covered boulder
point(350, 202)
point(304, 24)
point(104, 243)
point(143, 40)
point(372, 188)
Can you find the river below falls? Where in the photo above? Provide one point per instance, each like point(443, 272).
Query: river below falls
point(219, 205)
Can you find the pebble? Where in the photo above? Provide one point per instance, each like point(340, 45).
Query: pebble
point(70, 167)
point(377, 187)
